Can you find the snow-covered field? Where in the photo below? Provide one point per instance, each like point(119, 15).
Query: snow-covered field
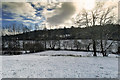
point(46, 65)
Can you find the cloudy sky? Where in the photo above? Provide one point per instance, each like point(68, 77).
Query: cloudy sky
point(54, 14)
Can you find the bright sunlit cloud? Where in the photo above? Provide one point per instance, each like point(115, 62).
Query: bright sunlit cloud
point(89, 4)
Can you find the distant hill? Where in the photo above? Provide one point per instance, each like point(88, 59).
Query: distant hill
point(110, 32)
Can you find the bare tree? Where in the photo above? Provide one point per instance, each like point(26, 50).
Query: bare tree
point(23, 30)
point(86, 44)
point(77, 44)
point(52, 44)
point(14, 29)
point(65, 44)
point(98, 16)
point(36, 27)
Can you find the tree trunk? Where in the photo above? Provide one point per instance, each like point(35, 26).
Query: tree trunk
point(77, 46)
point(88, 47)
point(105, 54)
point(102, 49)
point(45, 44)
point(105, 51)
point(94, 48)
point(59, 44)
point(118, 50)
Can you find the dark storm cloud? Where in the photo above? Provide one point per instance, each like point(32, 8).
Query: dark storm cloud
point(66, 11)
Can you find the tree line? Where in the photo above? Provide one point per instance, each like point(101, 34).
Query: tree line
point(40, 40)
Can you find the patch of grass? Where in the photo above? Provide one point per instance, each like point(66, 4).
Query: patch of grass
point(67, 55)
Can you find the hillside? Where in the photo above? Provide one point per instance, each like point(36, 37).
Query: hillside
point(96, 32)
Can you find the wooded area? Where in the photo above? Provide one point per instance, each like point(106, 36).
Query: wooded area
point(39, 40)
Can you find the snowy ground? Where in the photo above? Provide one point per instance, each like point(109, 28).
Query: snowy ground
point(43, 65)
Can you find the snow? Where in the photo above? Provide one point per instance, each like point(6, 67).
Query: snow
point(64, 53)
point(44, 65)
point(0, 67)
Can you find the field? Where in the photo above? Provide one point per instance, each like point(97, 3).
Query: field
point(59, 64)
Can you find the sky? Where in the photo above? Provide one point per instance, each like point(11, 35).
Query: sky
point(58, 14)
